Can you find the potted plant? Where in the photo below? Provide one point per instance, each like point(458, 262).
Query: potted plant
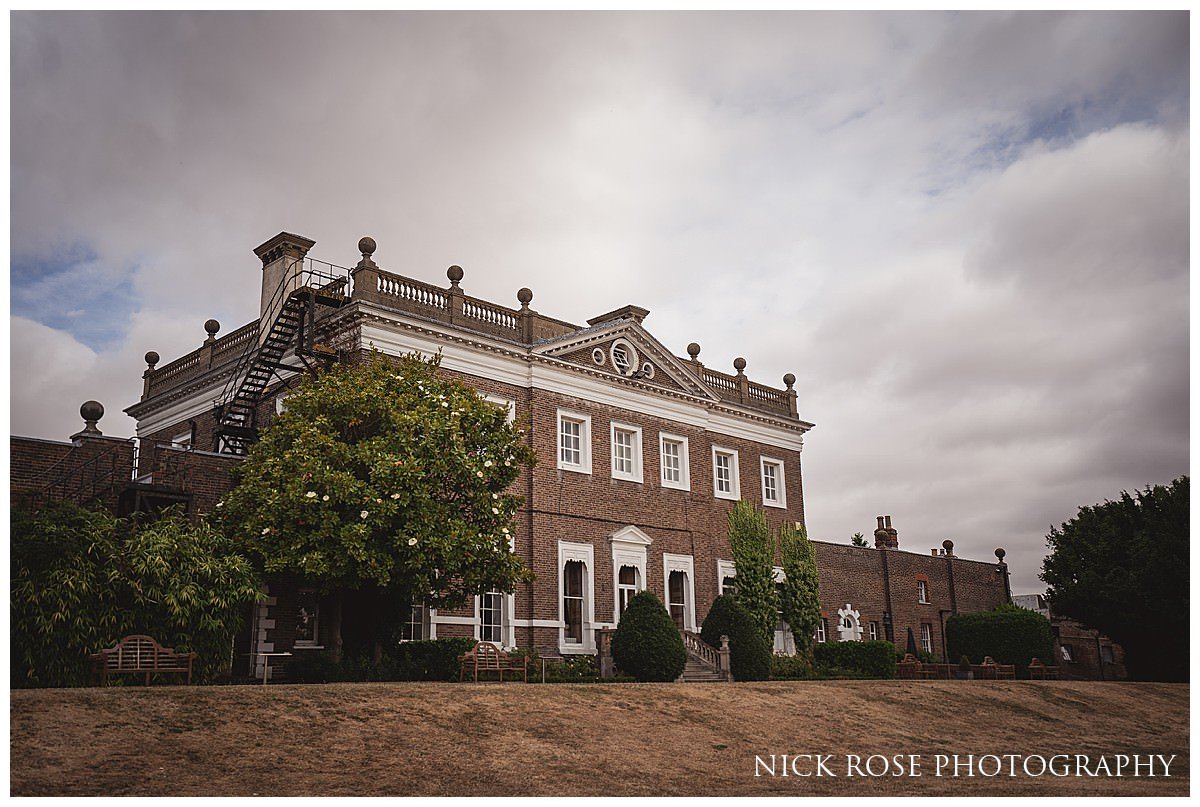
point(964, 669)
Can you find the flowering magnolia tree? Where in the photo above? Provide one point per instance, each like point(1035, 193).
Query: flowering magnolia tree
point(383, 475)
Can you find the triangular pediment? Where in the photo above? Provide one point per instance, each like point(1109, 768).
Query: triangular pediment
point(630, 535)
point(625, 350)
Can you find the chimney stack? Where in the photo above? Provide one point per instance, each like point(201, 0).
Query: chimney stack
point(885, 535)
point(282, 262)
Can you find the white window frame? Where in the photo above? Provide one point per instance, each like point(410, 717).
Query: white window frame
point(315, 642)
point(628, 549)
point(735, 482)
point(426, 622)
point(584, 465)
point(506, 626)
point(281, 401)
point(784, 641)
point(852, 633)
point(873, 628)
point(923, 592)
point(780, 487)
point(821, 637)
point(685, 564)
point(568, 550)
point(685, 475)
point(636, 434)
point(926, 637)
point(725, 568)
point(182, 440)
point(509, 405)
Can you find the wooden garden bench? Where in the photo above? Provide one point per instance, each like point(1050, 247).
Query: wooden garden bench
point(486, 656)
point(140, 654)
point(1040, 672)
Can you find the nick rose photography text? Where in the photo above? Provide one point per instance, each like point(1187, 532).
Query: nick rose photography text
point(962, 765)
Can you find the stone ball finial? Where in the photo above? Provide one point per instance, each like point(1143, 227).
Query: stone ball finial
point(948, 545)
point(211, 327)
point(739, 364)
point(91, 411)
point(151, 358)
point(455, 273)
point(789, 380)
point(1000, 554)
point(694, 349)
point(366, 245)
point(524, 296)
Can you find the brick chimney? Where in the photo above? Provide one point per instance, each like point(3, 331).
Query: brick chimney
point(282, 258)
point(885, 534)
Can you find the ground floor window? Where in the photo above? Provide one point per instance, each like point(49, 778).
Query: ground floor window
point(573, 601)
point(416, 626)
point(821, 627)
point(874, 630)
point(627, 586)
point(308, 616)
point(926, 637)
point(677, 599)
point(491, 616)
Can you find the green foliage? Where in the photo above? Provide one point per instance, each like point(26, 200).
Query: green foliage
point(646, 644)
point(800, 601)
point(432, 659)
point(749, 652)
point(314, 667)
point(1122, 568)
point(860, 659)
point(858, 540)
point(1008, 634)
point(792, 668)
point(82, 580)
point(753, 560)
point(384, 474)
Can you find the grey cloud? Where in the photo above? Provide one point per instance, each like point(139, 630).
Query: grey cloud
point(942, 223)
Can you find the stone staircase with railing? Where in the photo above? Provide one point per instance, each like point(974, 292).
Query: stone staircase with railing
point(705, 663)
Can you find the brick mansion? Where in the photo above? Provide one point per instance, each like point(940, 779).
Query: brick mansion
point(641, 453)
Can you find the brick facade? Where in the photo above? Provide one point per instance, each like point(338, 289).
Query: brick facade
point(546, 367)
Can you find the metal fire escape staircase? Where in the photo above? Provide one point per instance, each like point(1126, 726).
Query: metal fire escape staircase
point(303, 288)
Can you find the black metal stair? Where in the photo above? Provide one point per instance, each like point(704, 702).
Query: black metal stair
point(294, 325)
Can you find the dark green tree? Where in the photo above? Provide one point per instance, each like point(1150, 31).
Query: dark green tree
point(858, 540)
point(800, 599)
point(1009, 634)
point(81, 580)
point(1121, 568)
point(385, 478)
point(753, 558)
point(646, 644)
point(749, 652)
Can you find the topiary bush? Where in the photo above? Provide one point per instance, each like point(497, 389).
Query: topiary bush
point(1009, 634)
point(749, 653)
point(647, 645)
point(861, 659)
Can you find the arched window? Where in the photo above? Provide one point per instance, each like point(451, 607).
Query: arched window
point(627, 586)
point(573, 601)
point(676, 597)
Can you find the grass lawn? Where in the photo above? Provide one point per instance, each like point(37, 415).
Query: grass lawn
point(565, 739)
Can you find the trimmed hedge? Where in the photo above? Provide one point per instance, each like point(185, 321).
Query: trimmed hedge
point(749, 653)
point(647, 645)
point(869, 659)
point(430, 660)
point(1009, 634)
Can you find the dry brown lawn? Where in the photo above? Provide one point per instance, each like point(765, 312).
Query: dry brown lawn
point(573, 739)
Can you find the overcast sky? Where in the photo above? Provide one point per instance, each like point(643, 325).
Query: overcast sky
point(966, 234)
